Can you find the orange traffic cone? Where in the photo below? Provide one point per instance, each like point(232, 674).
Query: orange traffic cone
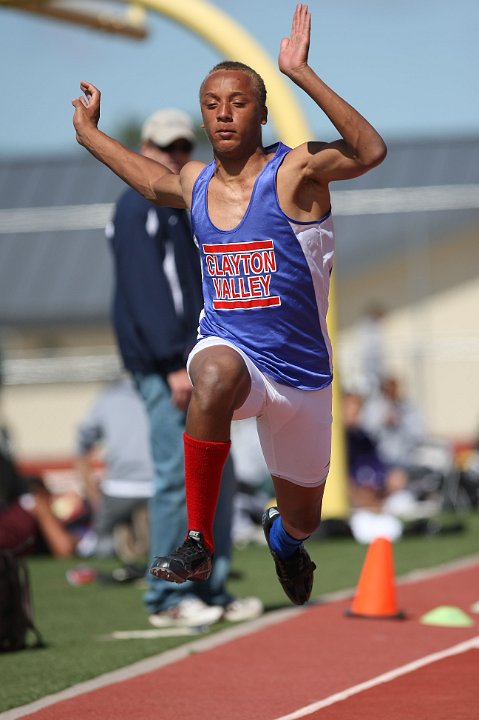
point(376, 591)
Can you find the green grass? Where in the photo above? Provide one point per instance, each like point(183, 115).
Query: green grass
point(74, 620)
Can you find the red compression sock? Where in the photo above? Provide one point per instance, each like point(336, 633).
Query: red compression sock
point(204, 462)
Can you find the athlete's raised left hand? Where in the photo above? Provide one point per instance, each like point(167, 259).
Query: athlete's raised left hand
point(293, 54)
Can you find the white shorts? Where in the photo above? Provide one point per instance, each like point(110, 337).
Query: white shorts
point(294, 426)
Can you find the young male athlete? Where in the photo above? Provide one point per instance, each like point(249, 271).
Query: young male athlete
point(262, 219)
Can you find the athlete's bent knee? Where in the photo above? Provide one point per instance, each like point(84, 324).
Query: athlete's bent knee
point(220, 378)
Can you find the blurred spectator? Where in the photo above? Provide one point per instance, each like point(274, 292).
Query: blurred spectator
point(254, 485)
point(156, 307)
point(371, 347)
point(394, 422)
point(371, 479)
point(418, 466)
point(467, 491)
point(116, 424)
point(1, 365)
point(28, 523)
point(4, 433)
point(372, 482)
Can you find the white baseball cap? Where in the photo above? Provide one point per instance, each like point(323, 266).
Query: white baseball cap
point(167, 125)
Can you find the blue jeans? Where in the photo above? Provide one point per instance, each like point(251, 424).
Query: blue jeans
point(167, 507)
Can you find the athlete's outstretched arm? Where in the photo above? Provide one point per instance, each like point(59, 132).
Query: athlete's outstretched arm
point(361, 147)
point(153, 180)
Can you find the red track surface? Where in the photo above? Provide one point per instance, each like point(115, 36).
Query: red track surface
point(315, 654)
point(445, 690)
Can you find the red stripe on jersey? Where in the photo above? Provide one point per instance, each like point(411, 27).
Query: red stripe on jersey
point(239, 247)
point(246, 304)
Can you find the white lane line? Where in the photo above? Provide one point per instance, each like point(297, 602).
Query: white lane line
point(384, 678)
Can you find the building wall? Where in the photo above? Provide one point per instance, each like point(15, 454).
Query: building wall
point(430, 338)
point(51, 379)
point(430, 333)
point(42, 419)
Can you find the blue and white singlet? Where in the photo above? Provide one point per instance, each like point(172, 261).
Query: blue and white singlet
point(266, 282)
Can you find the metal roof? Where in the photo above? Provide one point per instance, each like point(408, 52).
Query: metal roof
point(55, 264)
point(424, 188)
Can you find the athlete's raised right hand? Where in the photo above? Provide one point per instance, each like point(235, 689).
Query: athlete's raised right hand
point(87, 110)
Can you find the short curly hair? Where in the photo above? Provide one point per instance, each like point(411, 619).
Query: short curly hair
point(258, 81)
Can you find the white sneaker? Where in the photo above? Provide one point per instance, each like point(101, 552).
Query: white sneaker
point(240, 609)
point(190, 612)
point(248, 535)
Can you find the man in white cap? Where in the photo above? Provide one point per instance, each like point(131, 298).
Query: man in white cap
point(169, 132)
point(156, 307)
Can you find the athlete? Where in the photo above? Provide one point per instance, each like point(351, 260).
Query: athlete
point(262, 219)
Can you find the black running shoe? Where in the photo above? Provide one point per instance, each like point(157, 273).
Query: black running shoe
point(190, 561)
point(294, 573)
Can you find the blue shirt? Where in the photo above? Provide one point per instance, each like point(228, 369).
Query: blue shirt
point(157, 297)
point(266, 282)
